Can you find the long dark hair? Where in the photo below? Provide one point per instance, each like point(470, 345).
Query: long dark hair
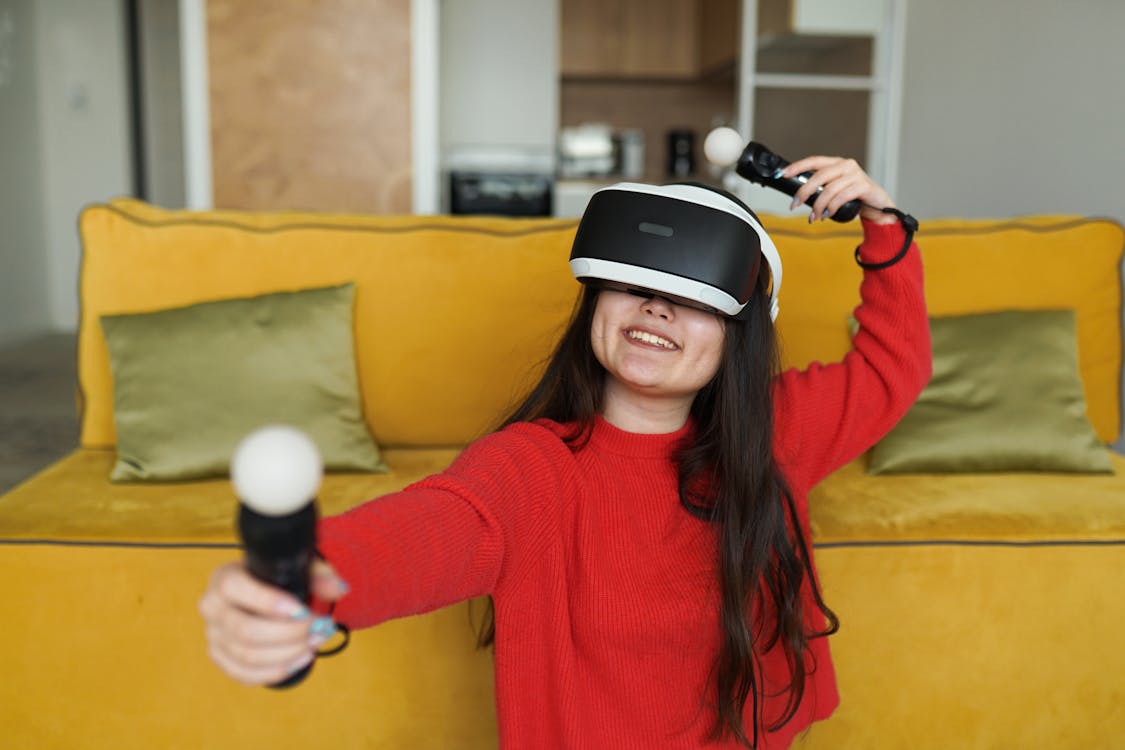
point(728, 476)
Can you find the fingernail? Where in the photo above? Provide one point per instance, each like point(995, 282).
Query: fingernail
point(824, 215)
point(294, 610)
point(301, 663)
point(812, 216)
point(796, 202)
point(342, 586)
point(317, 641)
point(778, 173)
point(324, 626)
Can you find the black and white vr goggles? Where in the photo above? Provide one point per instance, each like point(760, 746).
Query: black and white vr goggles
point(689, 243)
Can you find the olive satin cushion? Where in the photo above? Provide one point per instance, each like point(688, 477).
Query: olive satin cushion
point(190, 382)
point(1005, 397)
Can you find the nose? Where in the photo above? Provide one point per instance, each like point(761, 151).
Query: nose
point(658, 307)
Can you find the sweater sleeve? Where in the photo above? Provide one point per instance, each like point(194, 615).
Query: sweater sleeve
point(451, 536)
point(827, 415)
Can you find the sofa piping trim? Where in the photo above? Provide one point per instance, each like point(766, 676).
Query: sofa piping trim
point(972, 543)
point(127, 545)
point(422, 226)
point(1000, 225)
point(816, 545)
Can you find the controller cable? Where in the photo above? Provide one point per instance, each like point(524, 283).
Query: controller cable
point(910, 224)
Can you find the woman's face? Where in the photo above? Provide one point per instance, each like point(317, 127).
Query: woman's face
point(653, 347)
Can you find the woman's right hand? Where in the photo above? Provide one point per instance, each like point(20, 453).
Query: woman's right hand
point(258, 634)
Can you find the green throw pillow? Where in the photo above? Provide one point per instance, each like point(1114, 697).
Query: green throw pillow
point(189, 383)
point(1005, 396)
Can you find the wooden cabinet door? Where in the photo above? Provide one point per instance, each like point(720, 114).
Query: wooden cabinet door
point(661, 38)
point(590, 37)
point(630, 38)
point(720, 30)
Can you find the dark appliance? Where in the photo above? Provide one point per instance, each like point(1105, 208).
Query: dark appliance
point(681, 153)
point(500, 193)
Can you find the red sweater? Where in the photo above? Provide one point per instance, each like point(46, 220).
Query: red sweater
point(605, 587)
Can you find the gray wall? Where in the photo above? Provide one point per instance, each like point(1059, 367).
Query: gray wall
point(1013, 107)
point(84, 114)
point(498, 80)
point(23, 266)
point(64, 142)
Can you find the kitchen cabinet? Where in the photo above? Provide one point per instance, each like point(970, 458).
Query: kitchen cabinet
point(589, 39)
point(630, 38)
point(720, 27)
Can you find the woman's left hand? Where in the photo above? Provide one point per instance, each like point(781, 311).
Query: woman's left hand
point(843, 180)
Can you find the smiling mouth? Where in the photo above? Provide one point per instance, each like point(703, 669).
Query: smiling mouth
point(651, 338)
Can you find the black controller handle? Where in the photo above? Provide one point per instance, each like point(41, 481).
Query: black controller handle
point(279, 551)
point(759, 165)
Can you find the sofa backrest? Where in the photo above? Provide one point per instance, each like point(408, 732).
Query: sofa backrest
point(452, 315)
point(971, 266)
point(455, 315)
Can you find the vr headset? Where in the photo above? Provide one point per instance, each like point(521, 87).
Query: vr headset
point(689, 243)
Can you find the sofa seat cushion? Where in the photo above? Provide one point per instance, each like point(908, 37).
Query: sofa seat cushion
point(854, 507)
point(74, 501)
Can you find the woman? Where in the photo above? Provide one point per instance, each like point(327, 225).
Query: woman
point(641, 520)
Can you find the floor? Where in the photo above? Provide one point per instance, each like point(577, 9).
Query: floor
point(38, 412)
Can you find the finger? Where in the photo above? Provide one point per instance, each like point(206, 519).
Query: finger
point(234, 584)
point(808, 164)
point(250, 629)
point(254, 654)
point(258, 675)
point(326, 583)
point(837, 193)
point(837, 170)
point(821, 177)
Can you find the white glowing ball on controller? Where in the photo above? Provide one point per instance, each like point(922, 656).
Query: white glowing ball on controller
point(276, 470)
point(723, 146)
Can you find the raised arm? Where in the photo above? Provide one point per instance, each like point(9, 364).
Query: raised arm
point(827, 415)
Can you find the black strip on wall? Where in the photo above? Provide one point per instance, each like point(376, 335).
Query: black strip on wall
point(135, 73)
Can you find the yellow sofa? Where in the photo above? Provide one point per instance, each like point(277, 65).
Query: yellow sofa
point(977, 611)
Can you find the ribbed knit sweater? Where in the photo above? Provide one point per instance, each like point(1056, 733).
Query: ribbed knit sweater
point(605, 588)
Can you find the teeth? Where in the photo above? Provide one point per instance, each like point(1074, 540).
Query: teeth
point(649, 338)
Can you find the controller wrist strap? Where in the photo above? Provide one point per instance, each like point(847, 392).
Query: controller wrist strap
point(909, 223)
point(340, 627)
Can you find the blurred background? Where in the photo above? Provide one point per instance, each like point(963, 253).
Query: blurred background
point(520, 107)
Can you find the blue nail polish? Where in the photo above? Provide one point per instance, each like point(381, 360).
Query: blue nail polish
point(778, 173)
point(343, 586)
point(300, 614)
point(323, 626)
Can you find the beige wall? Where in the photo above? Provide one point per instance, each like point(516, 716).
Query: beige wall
point(310, 104)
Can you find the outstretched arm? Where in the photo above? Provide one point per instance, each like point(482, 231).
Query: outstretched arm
point(450, 537)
